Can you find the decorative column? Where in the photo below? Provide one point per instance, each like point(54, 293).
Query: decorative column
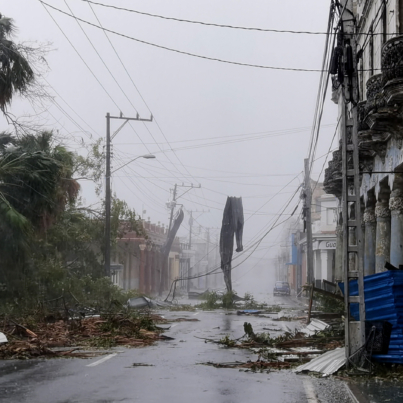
point(338, 266)
point(153, 270)
point(369, 245)
point(317, 267)
point(157, 269)
point(142, 247)
point(396, 227)
point(382, 249)
point(148, 269)
point(324, 256)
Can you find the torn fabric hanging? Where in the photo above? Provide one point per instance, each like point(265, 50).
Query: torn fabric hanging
point(232, 224)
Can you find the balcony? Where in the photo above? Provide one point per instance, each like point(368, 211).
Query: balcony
point(380, 117)
point(392, 70)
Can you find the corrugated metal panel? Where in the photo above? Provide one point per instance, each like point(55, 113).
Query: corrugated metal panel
point(383, 294)
point(326, 364)
point(314, 326)
point(3, 338)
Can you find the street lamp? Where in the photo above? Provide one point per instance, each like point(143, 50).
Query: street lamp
point(146, 156)
point(108, 210)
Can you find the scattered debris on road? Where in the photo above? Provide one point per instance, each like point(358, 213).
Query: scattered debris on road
point(327, 364)
point(40, 338)
point(254, 366)
point(3, 338)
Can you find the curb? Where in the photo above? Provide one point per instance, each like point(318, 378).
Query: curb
point(355, 393)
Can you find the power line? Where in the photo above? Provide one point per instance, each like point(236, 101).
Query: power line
point(322, 90)
point(180, 51)
point(141, 96)
point(271, 133)
point(82, 59)
point(281, 31)
point(327, 154)
point(77, 19)
point(255, 245)
point(202, 22)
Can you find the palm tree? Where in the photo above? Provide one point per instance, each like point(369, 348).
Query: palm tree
point(36, 176)
point(16, 74)
point(36, 185)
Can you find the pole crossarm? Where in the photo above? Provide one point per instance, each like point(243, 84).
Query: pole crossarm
point(136, 118)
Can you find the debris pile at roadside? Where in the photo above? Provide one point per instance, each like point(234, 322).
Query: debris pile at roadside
point(287, 349)
point(253, 366)
point(35, 337)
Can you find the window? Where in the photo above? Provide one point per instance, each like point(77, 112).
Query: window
point(371, 50)
point(401, 17)
point(384, 23)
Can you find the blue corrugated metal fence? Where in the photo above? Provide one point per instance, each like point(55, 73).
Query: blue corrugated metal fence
point(383, 293)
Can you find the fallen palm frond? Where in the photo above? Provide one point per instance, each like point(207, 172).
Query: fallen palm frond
point(42, 339)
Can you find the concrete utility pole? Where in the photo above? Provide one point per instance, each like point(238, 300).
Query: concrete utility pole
point(354, 330)
point(108, 181)
point(308, 222)
point(172, 206)
point(191, 223)
point(207, 253)
point(190, 229)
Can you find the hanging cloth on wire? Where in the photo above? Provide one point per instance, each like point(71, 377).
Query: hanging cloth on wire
point(232, 224)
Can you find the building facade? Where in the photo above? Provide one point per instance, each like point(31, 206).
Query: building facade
point(380, 134)
point(136, 260)
point(324, 212)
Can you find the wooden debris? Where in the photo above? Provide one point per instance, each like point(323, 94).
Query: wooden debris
point(106, 331)
point(252, 365)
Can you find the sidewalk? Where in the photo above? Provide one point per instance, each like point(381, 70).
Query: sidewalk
point(377, 391)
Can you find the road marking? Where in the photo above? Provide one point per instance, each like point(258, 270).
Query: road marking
point(310, 391)
point(108, 357)
point(196, 313)
point(174, 325)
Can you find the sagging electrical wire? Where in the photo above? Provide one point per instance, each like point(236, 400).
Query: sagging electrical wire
point(254, 246)
point(180, 51)
point(281, 31)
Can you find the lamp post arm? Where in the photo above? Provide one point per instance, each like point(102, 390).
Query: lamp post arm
point(127, 163)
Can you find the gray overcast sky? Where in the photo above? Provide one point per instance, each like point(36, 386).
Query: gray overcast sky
point(201, 106)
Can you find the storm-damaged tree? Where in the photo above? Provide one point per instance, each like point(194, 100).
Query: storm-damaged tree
point(16, 73)
point(51, 244)
point(35, 187)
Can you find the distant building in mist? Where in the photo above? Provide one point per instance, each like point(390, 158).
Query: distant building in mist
point(292, 257)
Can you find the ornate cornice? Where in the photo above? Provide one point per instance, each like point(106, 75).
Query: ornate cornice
point(375, 98)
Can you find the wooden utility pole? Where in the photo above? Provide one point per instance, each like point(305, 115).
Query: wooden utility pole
point(308, 222)
point(109, 138)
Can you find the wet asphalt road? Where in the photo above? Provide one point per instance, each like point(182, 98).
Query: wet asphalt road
point(173, 374)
